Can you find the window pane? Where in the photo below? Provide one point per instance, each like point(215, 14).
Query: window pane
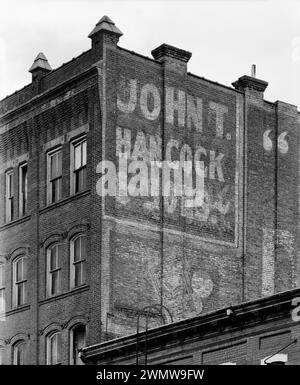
point(53, 349)
point(54, 282)
point(78, 343)
point(83, 247)
point(9, 185)
point(77, 249)
point(78, 274)
point(1, 275)
point(59, 163)
point(19, 354)
point(20, 294)
point(84, 153)
point(83, 178)
point(24, 178)
point(77, 156)
point(19, 270)
point(2, 301)
point(53, 163)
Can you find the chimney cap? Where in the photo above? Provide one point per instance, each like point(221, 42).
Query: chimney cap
point(250, 82)
point(170, 51)
point(40, 62)
point(106, 24)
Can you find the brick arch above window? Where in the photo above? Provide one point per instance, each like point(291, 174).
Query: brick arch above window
point(77, 320)
point(52, 328)
point(19, 337)
point(80, 228)
point(53, 238)
point(19, 251)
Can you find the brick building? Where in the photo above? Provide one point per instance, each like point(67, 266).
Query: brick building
point(259, 332)
point(76, 268)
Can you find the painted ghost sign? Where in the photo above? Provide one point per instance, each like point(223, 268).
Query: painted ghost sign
point(193, 136)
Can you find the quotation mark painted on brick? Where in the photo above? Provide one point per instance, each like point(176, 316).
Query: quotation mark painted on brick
point(282, 143)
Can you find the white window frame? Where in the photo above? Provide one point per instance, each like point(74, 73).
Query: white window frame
point(2, 287)
point(277, 357)
point(50, 272)
point(81, 261)
point(57, 337)
point(16, 347)
point(74, 143)
point(22, 282)
point(23, 190)
point(51, 154)
point(9, 195)
point(72, 342)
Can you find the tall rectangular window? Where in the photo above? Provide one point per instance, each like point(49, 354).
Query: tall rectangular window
point(2, 288)
point(78, 258)
point(23, 189)
point(19, 281)
point(54, 257)
point(54, 349)
point(78, 164)
point(9, 196)
point(54, 176)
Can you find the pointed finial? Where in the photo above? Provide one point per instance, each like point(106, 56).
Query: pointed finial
point(40, 63)
point(106, 24)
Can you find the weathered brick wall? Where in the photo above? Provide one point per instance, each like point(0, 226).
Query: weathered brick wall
point(239, 245)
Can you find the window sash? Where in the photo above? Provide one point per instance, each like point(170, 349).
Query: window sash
point(78, 258)
point(23, 189)
point(54, 349)
point(1, 276)
point(9, 196)
point(53, 269)
point(20, 282)
point(54, 176)
point(78, 342)
point(78, 165)
point(19, 354)
point(2, 300)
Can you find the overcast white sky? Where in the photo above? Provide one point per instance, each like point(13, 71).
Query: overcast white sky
point(225, 37)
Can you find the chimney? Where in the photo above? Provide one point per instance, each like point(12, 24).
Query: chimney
point(175, 59)
point(105, 32)
point(250, 84)
point(40, 67)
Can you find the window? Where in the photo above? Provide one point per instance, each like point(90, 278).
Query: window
point(78, 257)
point(9, 196)
point(54, 257)
point(19, 281)
point(2, 288)
point(22, 189)
point(19, 353)
point(54, 349)
point(277, 359)
point(54, 176)
point(78, 165)
point(77, 343)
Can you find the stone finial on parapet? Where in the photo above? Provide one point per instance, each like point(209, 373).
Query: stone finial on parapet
point(40, 67)
point(106, 32)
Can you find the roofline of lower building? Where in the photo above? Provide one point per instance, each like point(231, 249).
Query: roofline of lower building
point(274, 306)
